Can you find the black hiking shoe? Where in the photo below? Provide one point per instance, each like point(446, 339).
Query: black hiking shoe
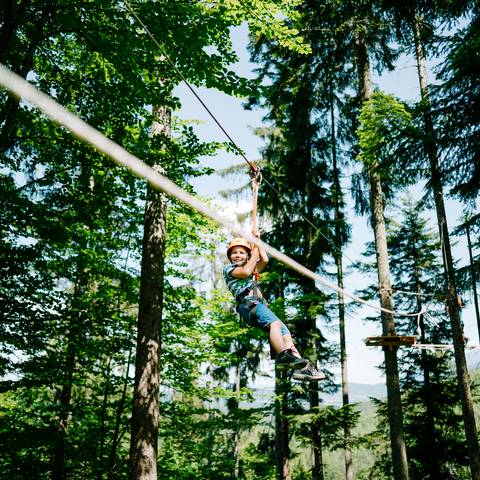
point(287, 361)
point(309, 373)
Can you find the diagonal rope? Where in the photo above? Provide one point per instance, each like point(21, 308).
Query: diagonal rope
point(91, 136)
point(238, 150)
point(186, 82)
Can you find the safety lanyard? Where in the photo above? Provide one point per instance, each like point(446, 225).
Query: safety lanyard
point(256, 177)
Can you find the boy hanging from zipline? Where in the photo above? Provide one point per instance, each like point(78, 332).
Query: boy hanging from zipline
point(239, 275)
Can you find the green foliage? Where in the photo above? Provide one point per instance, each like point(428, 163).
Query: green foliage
point(257, 459)
point(331, 421)
point(270, 19)
point(385, 125)
point(458, 98)
point(71, 227)
point(430, 399)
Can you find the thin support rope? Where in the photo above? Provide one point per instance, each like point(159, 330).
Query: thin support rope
point(187, 83)
point(91, 136)
point(234, 144)
point(442, 346)
point(256, 177)
point(406, 292)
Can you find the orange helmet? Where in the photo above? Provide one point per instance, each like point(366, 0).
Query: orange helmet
point(238, 242)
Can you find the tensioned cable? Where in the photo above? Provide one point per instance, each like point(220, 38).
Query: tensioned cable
point(204, 105)
point(89, 135)
point(442, 346)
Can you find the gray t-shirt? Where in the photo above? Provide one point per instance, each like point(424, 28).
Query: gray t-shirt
point(236, 285)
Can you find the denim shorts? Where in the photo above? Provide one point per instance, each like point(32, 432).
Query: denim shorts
point(257, 314)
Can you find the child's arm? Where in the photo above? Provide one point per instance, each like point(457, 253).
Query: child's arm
point(246, 271)
point(262, 261)
point(263, 257)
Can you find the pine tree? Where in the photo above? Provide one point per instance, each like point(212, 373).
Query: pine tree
point(430, 398)
point(371, 153)
point(468, 275)
point(415, 17)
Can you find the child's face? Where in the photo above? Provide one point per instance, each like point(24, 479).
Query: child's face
point(239, 255)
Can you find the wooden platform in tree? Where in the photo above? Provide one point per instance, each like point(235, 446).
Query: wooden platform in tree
point(390, 341)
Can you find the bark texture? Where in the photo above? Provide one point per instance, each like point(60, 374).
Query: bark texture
point(337, 196)
point(473, 276)
point(281, 426)
point(145, 415)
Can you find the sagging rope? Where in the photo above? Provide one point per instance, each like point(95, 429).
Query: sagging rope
point(89, 135)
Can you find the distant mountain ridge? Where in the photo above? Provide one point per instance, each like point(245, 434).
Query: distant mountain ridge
point(357, 393)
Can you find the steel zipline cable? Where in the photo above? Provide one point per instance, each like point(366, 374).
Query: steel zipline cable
point(186, 82)
point(253, 167)
point(254, 170)
point(91, 136)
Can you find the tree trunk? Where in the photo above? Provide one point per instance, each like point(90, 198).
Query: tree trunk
point(65, 398)
point(474, 279)
point(317, 457)
point(282, 450)
point(394, 401)
point(145, 416)
point(24, 60)
point(236, 440)
point(428, 394)
point(451, 293)
point(14, 14)
point(314, 400)
point(337, 196)
point(10, 108)
point(395, 415)
point(112, 463)
point(65, 394)
point(311, 327)
point(73, 339)
point(103, 420)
